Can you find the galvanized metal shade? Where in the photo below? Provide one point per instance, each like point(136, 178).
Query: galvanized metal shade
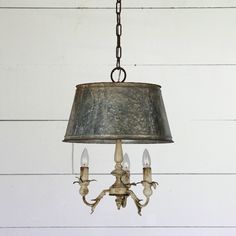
point(105, 112)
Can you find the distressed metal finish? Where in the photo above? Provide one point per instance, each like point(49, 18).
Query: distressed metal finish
point(121, 188)
point(105, 112)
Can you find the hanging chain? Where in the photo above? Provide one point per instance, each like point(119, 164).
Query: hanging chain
point(118, 33)
point(118, 45)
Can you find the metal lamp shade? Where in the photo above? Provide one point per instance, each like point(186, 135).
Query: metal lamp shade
point(105, 112)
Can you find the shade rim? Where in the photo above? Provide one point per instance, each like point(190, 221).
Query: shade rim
point(112, 84)
point(112, 140)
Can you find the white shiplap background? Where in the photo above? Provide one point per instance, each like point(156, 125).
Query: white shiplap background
point(49, 46)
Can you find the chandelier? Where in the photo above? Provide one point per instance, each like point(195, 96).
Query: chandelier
point(118, 112)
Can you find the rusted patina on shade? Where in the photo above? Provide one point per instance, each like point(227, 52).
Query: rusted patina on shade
point(105, 112)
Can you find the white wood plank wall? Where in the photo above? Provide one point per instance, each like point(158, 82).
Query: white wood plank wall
point(49, 46)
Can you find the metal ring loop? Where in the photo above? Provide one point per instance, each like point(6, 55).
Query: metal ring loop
point(121, 70)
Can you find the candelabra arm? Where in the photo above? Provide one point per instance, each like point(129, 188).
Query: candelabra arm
point(84, 190)
point(152, 184)
point(129, 185)
point(96, 200)
point(80, 181)
point(137, 201)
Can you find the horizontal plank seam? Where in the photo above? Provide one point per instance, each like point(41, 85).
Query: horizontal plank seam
point(112, 8)
point(107, 174)
point(33, 120)
point(183, 64)
point(125, 227)
point(136, 65)
point(213, 120)
point(65, 120)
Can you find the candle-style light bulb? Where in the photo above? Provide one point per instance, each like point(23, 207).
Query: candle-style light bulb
point(84, 173)
point(147, 174)
point(146, 159)
point(85, 158)
point(126, 162)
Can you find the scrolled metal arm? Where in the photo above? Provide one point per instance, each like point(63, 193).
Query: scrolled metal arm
point(137, 201)
point(96, 200)
point(84, 191)
point(147, 191)
point(80, 181)
point(152, 184)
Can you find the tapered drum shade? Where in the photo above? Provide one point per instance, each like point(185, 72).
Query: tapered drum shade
point(105, 112)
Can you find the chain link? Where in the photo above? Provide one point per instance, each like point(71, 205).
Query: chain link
point(118, 33)
point(118, 45)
